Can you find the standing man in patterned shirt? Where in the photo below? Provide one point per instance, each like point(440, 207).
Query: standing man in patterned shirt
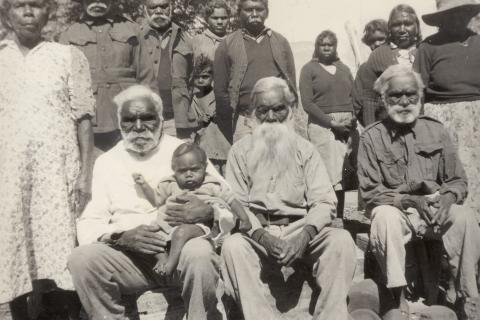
point(164, 62)
point(108, 39)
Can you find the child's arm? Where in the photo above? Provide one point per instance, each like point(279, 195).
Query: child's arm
point(147, 190)
point(239, 212)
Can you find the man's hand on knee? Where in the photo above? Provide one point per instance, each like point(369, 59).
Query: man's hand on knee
point(295, 248)
point(143, 239)
point(188, 209)
point(445, 203)
point(420, 204)
point(273, 245)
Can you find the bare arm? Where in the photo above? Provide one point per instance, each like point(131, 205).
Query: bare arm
point(239, 212)
point(85, 143)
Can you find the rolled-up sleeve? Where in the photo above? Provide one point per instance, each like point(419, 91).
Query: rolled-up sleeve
point(95, 220)
point(82, 102)
point(321, 199)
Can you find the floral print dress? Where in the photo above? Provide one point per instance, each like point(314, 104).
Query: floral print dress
point(42, 94)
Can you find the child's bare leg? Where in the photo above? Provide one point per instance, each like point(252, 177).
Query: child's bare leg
point(162, 259)
point(179, 237)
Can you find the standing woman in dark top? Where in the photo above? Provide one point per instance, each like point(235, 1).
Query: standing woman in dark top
point(325, 88)
point(449, 63)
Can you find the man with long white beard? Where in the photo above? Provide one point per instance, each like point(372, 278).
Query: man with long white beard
point(414, 184)
point(280, 178)
point(118, 241)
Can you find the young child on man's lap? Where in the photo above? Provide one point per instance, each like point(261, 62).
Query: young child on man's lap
point(189, 164)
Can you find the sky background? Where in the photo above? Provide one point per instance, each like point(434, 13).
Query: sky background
point(300, 21)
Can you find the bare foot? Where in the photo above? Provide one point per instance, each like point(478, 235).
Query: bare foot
point(160, 268)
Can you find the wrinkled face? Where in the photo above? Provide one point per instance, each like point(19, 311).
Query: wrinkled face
point(203, 80)
point(402, 100)
point(189, 171)
point(218, 21)
point(403, 30)
point(27, 18)
point(140, 125)
point(377, 39)
point(158, 13)
point(97, 8)
point(327, 49)
point(253, 14)
point(271, 107)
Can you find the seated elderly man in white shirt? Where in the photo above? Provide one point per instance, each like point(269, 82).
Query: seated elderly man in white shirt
point(117, 238)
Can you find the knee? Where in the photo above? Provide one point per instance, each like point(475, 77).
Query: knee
point(198, 251)
point(462, 216)
point(83, 258)
point(185, 232)
point(342, 242)
point(385, 217)
point(234, 245)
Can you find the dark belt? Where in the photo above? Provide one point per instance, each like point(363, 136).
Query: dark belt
point(267, 219)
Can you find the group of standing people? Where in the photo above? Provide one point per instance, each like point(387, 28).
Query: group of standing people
point(63, 106)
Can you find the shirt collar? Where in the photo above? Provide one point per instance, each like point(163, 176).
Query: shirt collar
point(213, 36)
point(267, 31)
point(396, 131)
point(90, 22)
point(9, 41)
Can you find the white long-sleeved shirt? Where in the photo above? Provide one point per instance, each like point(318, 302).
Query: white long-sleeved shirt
point(117, 202)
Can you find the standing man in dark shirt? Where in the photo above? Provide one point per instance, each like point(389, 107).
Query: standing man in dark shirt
point(164, 62)
point(245, 56)
point(414, 185)
point(108, 40)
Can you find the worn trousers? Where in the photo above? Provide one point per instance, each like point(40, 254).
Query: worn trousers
point(330, 255)
point(390, 231)
point(102, 274)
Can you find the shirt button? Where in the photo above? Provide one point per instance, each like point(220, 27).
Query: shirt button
point(156, 61)
point(108, 85)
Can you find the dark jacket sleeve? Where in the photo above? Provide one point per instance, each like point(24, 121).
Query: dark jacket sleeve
point(182, 65)
point(291, 66)
point(221, 76)
point(422, 63)
point(451, 171)
point(306, 93)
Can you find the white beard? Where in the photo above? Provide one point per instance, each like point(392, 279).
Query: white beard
point(395, 113)
point(273, 150)
point(149, 141)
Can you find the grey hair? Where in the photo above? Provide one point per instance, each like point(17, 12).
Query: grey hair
point(138, 92)
point(272, 83)
point(383, 82)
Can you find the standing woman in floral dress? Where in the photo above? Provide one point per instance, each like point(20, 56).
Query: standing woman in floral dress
point(46, 105)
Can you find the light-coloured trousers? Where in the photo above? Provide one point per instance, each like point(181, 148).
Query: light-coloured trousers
point(390, 231)
point(330, 255)
point(102, 274)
